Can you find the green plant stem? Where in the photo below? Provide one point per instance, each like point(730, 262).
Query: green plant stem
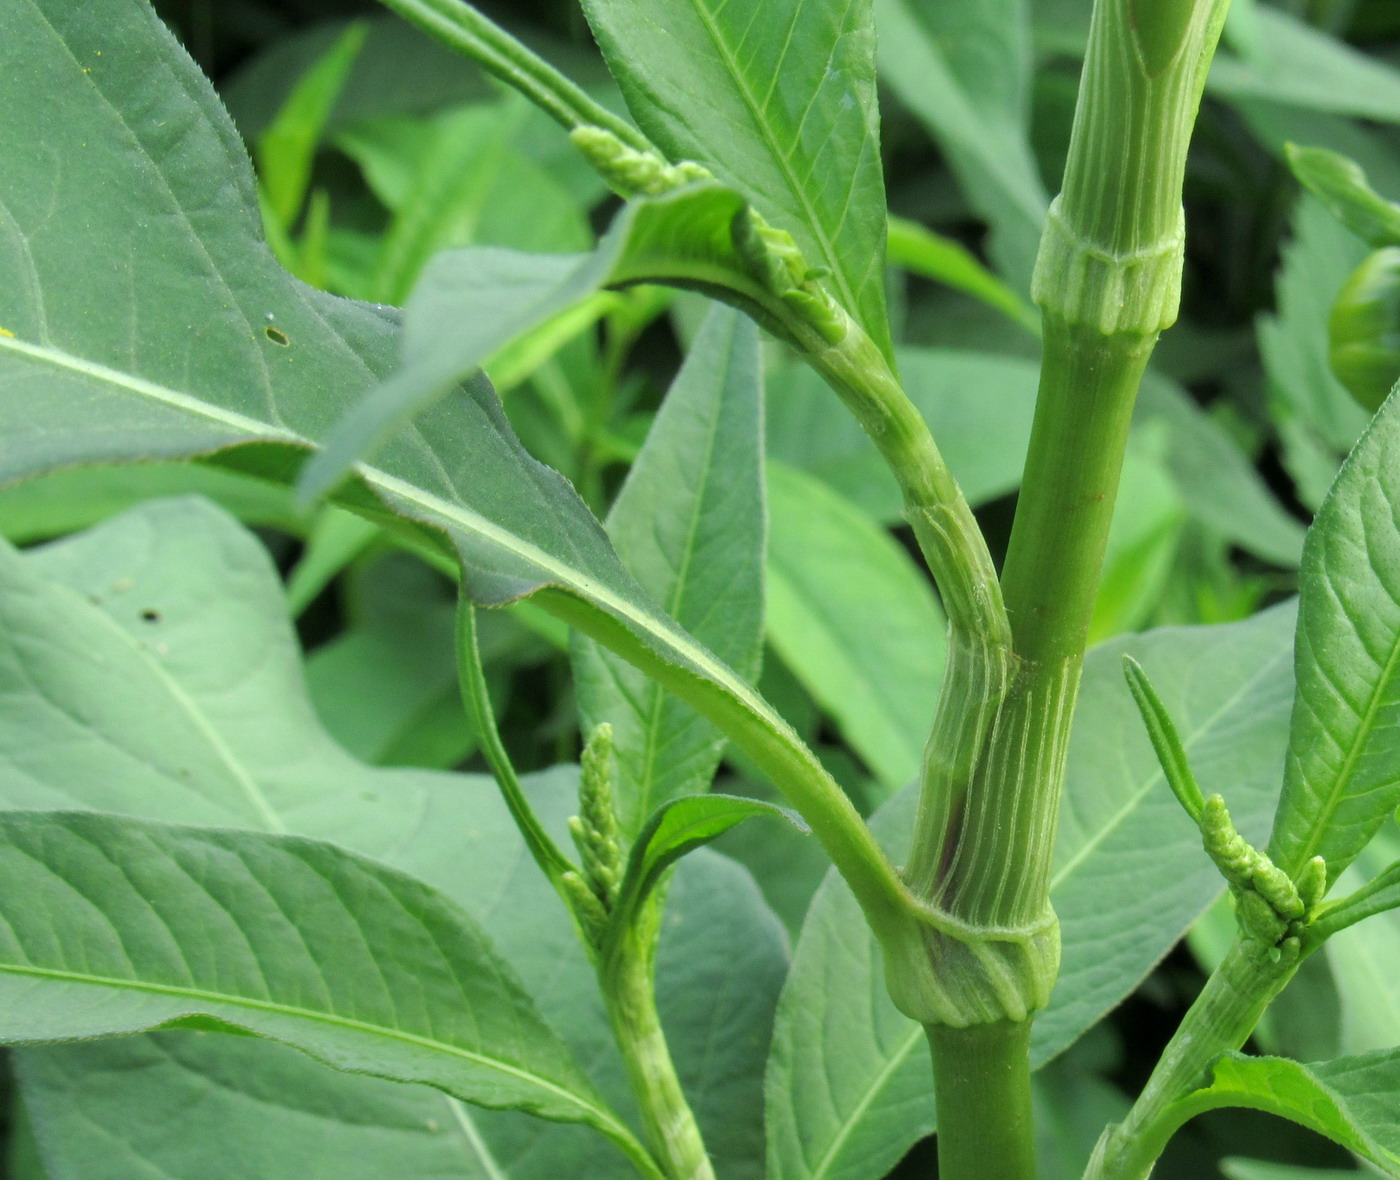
point(627, 975)
point(472, 679)
point(982, 1083)
point(463, 28)
point(1220, 1020)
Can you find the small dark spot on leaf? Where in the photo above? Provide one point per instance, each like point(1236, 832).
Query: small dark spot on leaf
point(277, 336)
point(150, 615)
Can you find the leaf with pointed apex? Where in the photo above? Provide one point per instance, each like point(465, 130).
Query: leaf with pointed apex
point(1351, 1100)
point(166, 348)
point(690, 525)
point(126, 926)
point(847, 1083)
point(1342, 775)
point(681, 826)
point(778, 100)
point(1340, 183)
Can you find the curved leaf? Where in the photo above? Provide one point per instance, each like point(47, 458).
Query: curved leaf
point(166, 349)
point(778, 100)
point(690, 525)
point(1351, 1100)
point(1342, 777)
point(127, 926)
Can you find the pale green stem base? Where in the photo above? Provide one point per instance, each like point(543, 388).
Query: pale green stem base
point(982, 1083)
point(628, 977)
point(1220, 1021)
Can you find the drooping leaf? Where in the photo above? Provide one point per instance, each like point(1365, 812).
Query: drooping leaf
point(964, 70)
point(778, 100)
point(126, 926)
point(847, 1080)
point(689, 524)
point(1351, 1100)
point(165, 350)
point(680, 826)
point(831, 572)
point(150, 669)
point(1340, 183)
point(1342, 777)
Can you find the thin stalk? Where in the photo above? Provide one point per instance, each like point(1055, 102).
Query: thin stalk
point(982, 1083)
point(472, 678)
point(461, 27)
point(1220, 1020)
point(627, 973)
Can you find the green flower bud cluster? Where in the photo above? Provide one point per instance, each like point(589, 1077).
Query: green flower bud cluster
point(1364, 329)
point(630, 172)
point(1270, 906)
point(593, 889)
point(775, 260)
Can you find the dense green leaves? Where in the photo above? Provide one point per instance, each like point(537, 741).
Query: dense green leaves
point(847, 1082)
point(689, 524)
point(1350, 1100)
point(1342, 777)
point(150, 669)
point(164, 925)
point(778, 100)
point(879, 682)
point(120, 337)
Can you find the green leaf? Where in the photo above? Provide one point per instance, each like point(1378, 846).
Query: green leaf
point(198, 715)
point(879, 684)
point(287, 148)
point(1242, 1169)
point(779, 102)
point(1312, 408)
point(1341, 185)
point(922, 252)
point(680, 826)
point(1342, 776)
point(162, 925)
point(1215, 480)
point(957, 392)
point(118, 337)
point(847, 1080)
point(1351, 1100)
point(689, 523)
point(963, 70)
point(456, 181)
point(1302, 66)
point(265, 1111)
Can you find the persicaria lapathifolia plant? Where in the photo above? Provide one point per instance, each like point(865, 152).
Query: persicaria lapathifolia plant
point(203, 835)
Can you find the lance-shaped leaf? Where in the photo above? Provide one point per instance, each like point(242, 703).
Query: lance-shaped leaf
point(1351, 1100)
point(847, 1081)
point(1342, 777)
point(149, 336)
point(117, 925)
point(963, 70)
point(689, 524)
point(778, 100)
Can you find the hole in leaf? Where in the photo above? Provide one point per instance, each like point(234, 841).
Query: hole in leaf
point(277, 336)
point(150, 615)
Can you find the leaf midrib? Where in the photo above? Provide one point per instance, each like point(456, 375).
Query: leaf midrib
point(1365, 724)
point(760, 122)
point(333, 1020)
